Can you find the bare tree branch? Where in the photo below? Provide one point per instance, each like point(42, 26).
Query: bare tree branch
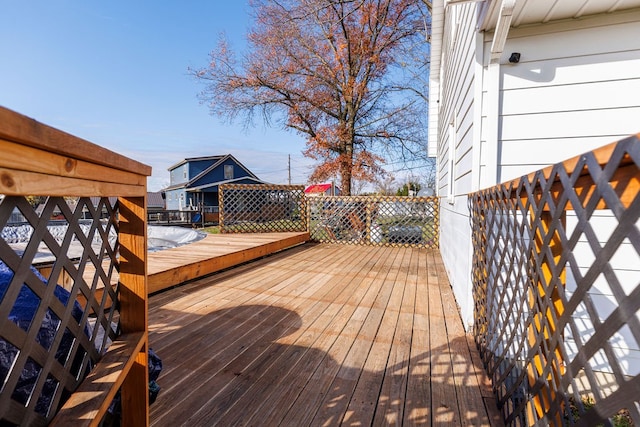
point(344, 73)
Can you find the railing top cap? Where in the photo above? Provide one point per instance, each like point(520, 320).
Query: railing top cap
point(602, 156)
point(22, 129)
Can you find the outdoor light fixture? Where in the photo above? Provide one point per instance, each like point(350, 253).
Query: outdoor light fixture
point(514, 58)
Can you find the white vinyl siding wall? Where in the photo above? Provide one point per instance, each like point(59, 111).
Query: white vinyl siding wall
point(625, 264)
point(455, 148)
point(576, 88)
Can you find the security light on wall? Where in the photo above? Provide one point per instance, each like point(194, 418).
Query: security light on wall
point(514, 58)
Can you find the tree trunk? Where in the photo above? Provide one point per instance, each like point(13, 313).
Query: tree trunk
point(346, 169)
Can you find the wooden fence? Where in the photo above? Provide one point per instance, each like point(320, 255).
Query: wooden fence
point(556, 272)
point(80, 339)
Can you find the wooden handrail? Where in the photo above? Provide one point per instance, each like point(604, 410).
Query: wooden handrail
point(625, 182)
point(29, 132)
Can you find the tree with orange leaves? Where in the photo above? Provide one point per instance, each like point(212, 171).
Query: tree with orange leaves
point(340, 72)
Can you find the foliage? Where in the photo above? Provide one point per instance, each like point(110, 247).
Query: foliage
point(621, 419)
point(212, 230)
point(385, 185)
point(411, 185)
point(36, 201)
point(341, 73)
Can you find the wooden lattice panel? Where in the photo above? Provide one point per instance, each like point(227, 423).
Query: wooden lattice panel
point(58, 300)
point(262, 208)
point(378, 221)
point(556, 273)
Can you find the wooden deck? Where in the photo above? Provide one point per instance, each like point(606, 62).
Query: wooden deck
point(214, 253)
point(318, 335)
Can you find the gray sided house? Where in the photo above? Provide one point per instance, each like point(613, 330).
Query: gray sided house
point(196, 180)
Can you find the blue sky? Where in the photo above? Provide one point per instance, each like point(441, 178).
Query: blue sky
point(115, 73)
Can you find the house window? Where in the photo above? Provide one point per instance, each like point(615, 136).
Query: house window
point(228, 171)
point(184, 172)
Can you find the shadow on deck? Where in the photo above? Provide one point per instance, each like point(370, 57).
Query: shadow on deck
point(319, 335)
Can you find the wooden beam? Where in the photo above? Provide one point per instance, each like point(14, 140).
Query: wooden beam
point(134, 305)
point(16, 183)
point(22, 129)
point(88, 404)
point(19, 157)
point(177, 271)
point(625, 181)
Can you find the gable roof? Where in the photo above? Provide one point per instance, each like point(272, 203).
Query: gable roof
point(155, 199)
point(216, 162)
point(220, 160)
point(228, 181)
point(195, 159)
point(317, 188)
point(320, 188)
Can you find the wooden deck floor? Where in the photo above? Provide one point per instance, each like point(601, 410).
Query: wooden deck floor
point(215, 252)
point(318, 335)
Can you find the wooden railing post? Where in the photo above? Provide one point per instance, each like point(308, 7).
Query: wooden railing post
point(133, 312)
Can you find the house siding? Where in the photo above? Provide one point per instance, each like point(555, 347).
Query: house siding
point(217, 174)
point(496, 123)
point(196, 167)
point(455, 151)
point(179, 175)
point(176, 199)
point(564, 99)
point(567, 98)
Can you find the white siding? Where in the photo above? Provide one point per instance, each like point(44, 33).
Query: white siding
point(625, 264)
point(456, 132)
point(575, 88)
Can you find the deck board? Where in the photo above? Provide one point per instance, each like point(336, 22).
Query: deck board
point(317, 335)
point(214, 253)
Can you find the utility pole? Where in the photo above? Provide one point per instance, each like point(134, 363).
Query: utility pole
point(289, 169)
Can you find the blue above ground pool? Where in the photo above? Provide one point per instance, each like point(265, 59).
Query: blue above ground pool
point(22, 314)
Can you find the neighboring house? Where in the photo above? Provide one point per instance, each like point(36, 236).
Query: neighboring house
point(322, 190)
point(516, 85)
point(196, 180)
point(95, 201)
point(493, 118)
point(155, 201)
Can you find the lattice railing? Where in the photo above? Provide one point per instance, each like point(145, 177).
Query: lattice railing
point(73, 317)
point(375, 220)
point(556, 272)
point(262, 208)
point(49, 343)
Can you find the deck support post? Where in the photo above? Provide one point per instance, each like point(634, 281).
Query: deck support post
point(134, 306)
